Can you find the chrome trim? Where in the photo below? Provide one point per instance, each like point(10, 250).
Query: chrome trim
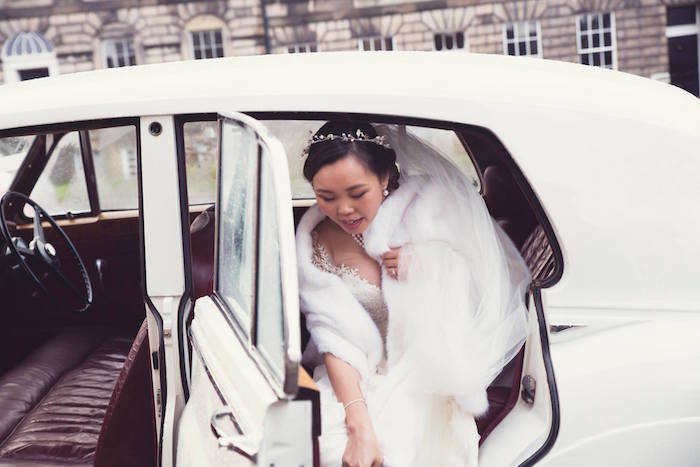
point(557, 328)
point(238, 443)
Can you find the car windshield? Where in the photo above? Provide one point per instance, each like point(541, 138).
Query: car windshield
point(13, 150)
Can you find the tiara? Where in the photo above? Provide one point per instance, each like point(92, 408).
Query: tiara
point(347, 137)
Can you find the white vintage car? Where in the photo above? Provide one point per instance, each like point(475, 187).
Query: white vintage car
point(592, 173)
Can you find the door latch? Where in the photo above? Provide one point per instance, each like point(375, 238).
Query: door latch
point(239, 443)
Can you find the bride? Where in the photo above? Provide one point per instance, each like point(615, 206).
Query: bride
point(413, 298)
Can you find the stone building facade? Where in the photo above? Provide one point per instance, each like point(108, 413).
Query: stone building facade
point(652, 38)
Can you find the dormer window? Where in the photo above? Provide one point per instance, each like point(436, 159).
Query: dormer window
point(28, 55)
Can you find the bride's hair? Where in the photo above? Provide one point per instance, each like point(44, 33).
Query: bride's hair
point(378, 158)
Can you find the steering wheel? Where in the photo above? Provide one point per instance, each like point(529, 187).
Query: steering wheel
point(40, 260)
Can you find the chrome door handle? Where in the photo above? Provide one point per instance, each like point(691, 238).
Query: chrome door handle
point(239, 443)
point(99, 267)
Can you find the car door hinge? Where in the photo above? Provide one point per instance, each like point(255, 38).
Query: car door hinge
point(529, 386)
point(154, 358)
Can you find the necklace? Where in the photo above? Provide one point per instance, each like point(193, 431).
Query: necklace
point(358, 239)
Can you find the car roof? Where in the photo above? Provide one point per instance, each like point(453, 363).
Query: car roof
point(408, 83)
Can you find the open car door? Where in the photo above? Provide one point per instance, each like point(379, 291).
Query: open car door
point(245, 338)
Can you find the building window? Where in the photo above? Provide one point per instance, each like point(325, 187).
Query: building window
point(302, 48)
point(118, 53)
point(595, 39)
point(207, 44)
point(28, 55)
point(33, 73)
point(449, 41)
point(522, 38)
point(683, 33)
point(376, 43)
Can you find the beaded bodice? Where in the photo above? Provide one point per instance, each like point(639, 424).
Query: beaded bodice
point(369, 295)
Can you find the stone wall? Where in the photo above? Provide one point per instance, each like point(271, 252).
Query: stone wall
point(77, 27)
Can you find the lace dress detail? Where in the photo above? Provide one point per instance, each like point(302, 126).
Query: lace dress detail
point(369, 295)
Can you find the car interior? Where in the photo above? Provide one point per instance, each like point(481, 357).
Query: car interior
point(75, 387)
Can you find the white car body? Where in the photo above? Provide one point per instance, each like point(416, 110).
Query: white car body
point(613, 160)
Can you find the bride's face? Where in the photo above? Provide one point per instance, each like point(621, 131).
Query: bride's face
point(349, 193)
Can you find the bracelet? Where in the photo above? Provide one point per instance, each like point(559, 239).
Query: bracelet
point(354, 401)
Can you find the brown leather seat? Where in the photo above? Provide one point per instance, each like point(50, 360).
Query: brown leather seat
point(53, 404)
point(202, 243)
point(507, 204)
point(27, 384)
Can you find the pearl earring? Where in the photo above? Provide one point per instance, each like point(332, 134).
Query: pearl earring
point(385, 192)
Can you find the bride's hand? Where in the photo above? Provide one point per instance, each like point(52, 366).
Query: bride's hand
point(390, 261)
point(362, 448)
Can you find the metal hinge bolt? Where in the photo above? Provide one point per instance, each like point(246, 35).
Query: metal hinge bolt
point(529, 386)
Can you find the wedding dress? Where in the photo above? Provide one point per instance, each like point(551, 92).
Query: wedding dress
point(410, 432)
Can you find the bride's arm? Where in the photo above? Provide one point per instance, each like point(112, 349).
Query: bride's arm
point(362, 448)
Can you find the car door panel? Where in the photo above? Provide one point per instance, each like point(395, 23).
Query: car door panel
point(245, 337)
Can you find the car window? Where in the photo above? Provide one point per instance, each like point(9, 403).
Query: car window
point(13, 150)
point(235, 277)
point(294, 135)
point(447, 143)
point(114, 157)
point(61, 187)
point(200, 153)
point(270, 308)
point(200, 159)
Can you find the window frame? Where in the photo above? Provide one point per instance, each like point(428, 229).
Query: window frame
point(515, 41)
point(34, 163)
point(444, 34)
point(107, 44)
point(296, 48)
point(590, 33)
point(190, 37)
point(371, 39)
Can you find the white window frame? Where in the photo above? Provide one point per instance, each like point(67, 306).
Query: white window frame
point(602, 48)
point(301, 48)
point(687, 30)
point(212, 33)
point(109, 50)
point(454, 39)
point(372, 39)
point(518, 27)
